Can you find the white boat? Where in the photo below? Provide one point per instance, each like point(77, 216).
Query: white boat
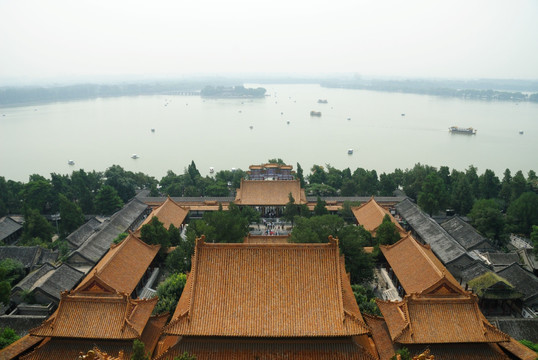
point(350, 151)
point(152, 130)
point(134, 156)
point(458, 130)
point(211, 170)
point(520, 132)
point(71, 162)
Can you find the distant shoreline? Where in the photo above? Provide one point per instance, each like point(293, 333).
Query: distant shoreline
point(505, 90)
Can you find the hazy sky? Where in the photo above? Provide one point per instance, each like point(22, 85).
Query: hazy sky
point(55, 39)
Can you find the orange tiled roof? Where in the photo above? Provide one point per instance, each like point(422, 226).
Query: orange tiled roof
point(519, 350)
point(471, 351)
point(169, 212)
point(438, 317)
point(15, 349)
point(381, 336)
point(99, 316)
point(420, 268)
point(97, 354)
point(70, 349)
point(152, 331)
point(267, 290)
point(267, 239)
point(274, 349)
point(269, 192)
point(123, 265)
point(371, 214)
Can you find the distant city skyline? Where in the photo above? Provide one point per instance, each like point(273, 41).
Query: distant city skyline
point(60, 40)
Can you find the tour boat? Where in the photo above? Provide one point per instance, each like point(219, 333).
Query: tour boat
point(315, 113)
point(350, 151)
point(134, 156)
point(71, 162)
point(458, 130)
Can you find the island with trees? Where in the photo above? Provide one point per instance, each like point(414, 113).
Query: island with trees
point(238, 91)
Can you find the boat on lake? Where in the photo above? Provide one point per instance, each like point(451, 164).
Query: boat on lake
point(458, 130)
point(322, 101)
point(71, 162)
point(134, 156)
point(350, 151)
point(315, 113)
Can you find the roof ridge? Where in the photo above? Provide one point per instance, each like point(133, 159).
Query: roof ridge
point(428, 259)
point(340, 292)
point(194, 270)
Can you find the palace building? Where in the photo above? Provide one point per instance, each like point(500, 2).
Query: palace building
point(267, 301)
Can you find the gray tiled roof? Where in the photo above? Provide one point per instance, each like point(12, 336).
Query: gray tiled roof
point(50, 280)
point(464, 233)
point(60, 279)
point(77, 237)
point(519, 329)
point(443, 245)
point(8, 226)
point(502, 259)
point(95, 246)
point(522, 280)
point(29, 256)
point(469, 272)
point(29, 280)
point(25, 254)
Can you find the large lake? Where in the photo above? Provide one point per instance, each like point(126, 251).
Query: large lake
point(98, 133)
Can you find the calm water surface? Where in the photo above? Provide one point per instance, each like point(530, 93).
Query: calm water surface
point(101, 132)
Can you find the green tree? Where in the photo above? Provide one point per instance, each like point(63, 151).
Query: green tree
point(486, 217)
point(185, 356)
point(433, 195)
point(169, 292)
point(346, 211)
point(120, 238)
point(359, 264)
point(489, 184)
point(506, 187)
point(387, 184)
point(348, 188)
point(462, 195)
point(7, 337)
point(317, 175)
point(523, 213)
point(108, 201)
point(278, 161)
point(139, 351)
point(154, 233)
point(387, 233)
point(36, 194)
point(300, 175)
point(404, 354)
point(122, 181)
point(84, 186)
point(71, 215)
point(316, 229)
point(534, 240)
point(320, 190)
point(519, 185)
point(365, 299)
point(291, 210)
point(320, 208)
point(36, 226)
point(12, 271)
point(472, 176)
point(5, 292)
point(226, 226)
point(413, 179)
